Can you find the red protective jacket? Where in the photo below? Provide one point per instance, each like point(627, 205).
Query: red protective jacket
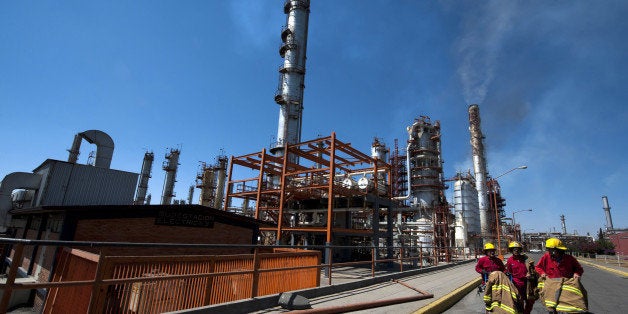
point(489, 264)
point(516, 266)
point(567, 267)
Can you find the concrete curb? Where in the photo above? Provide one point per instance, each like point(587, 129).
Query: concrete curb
point(445, 302)
point(612, 270)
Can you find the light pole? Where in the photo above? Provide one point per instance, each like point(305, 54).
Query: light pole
point(492, 188)
point(514, 226)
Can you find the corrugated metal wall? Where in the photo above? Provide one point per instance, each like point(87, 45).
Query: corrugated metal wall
point(66, 184)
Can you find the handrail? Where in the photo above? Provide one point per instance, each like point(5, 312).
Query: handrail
point(423, 255)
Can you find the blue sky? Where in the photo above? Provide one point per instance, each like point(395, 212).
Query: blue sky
point(550, 77)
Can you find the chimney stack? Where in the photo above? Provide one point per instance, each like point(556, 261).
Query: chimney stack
point(479, 167)
point(607, 211)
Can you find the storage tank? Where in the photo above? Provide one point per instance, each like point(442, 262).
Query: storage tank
point(467, 212)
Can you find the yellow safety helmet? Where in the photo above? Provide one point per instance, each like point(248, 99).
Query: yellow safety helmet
point(553, 243)
point(514, 244)
point(489, 246)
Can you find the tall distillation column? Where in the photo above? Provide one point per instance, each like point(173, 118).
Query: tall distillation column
point(142, 186)
point(221, 177)
point(211, 181)
point(170, 165)
point(479, 167)
point(206, 182)
point(607, 211)
point(289, 95)
point(426, 182)
point(190, 194)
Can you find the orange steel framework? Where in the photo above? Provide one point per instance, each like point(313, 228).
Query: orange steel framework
point(496, 211)
point(280, 186)
point(399, 172)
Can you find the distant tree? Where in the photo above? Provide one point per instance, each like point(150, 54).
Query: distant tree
point(584, 246)
point(603, 244)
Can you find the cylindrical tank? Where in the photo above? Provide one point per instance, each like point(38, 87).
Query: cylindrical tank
point(466, 205)
point(425, 229)
point(349, 183)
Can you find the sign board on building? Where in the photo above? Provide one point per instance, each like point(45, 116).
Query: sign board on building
point(184, 218)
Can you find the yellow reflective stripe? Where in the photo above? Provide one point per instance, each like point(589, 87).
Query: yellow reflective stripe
point(572, 289)
point(487, 298)
point(507, 308)
point(549, 303)
point(501, 306)
point(513, 294)
point(541, 284)
point(567, 308)
point(505, 287)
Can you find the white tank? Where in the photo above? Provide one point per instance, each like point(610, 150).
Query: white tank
point(349, 183)
point(426, 229)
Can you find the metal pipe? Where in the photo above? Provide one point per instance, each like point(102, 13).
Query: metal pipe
point(104, 147)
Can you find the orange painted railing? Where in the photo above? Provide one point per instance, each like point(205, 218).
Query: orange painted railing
point(98, 283)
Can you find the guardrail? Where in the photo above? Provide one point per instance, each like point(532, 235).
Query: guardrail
point(613, 259)
point(98, 286)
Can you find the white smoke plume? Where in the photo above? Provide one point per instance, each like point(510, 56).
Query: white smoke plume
point(484, 29)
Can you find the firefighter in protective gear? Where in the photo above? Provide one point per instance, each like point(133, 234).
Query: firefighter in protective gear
point(489, 262)
point(516, 266)
point(565, 271)
point(556, 264)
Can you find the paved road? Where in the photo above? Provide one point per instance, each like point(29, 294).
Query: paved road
point(607, 294)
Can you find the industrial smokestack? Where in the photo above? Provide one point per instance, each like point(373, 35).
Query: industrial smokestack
point(607, 211)
point(142, 186)
point(289, 95)
point(479, 167)
point(75, 150)
point(170, 166)
point(562, 223)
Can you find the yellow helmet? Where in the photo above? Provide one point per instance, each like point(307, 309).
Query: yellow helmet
point(489, 246)
point(514, 244)
point(553, 243)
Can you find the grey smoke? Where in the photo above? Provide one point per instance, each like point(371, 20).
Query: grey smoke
point(484, 28)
